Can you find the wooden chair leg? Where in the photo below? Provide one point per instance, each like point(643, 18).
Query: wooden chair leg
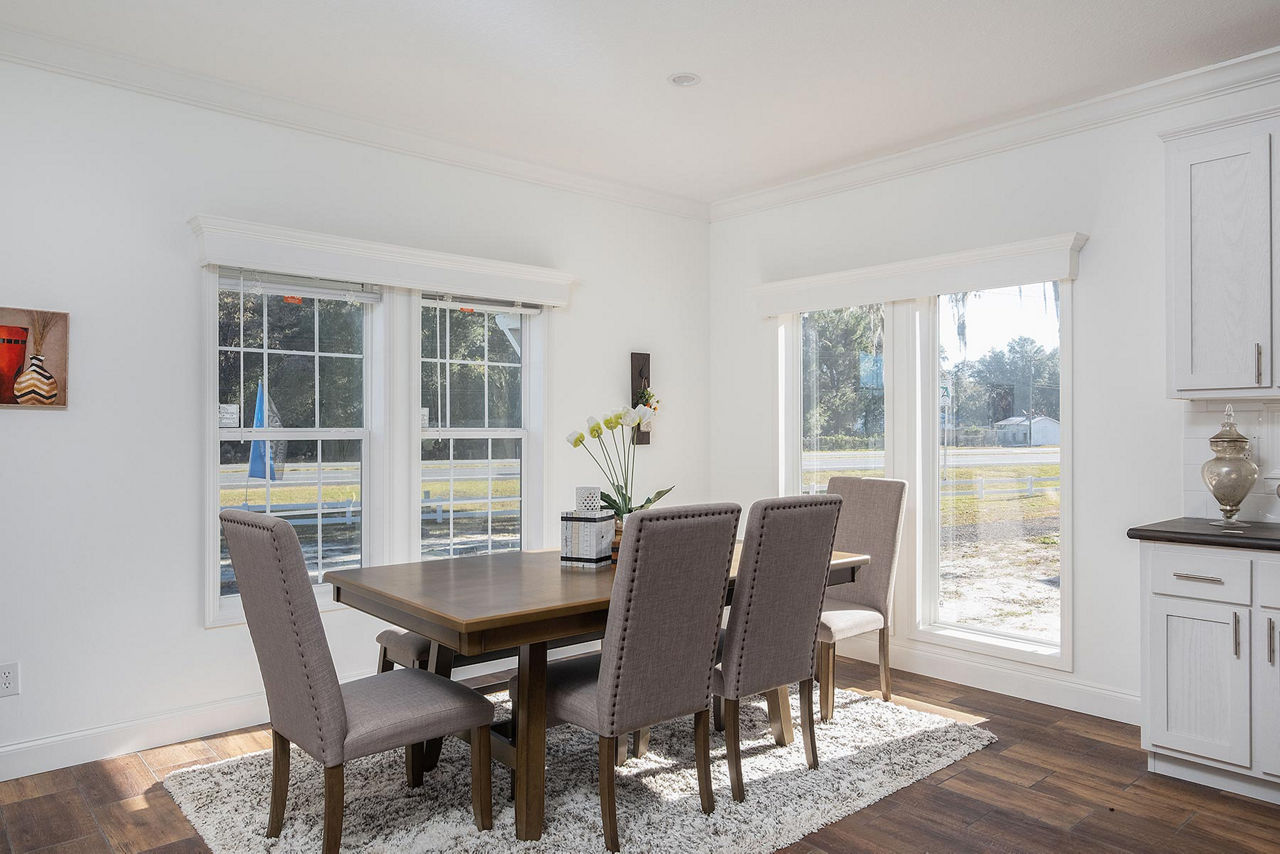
point(640, 746)
point(442, 665)
point(827, 665)
point(481, 778)
point(717, 710)
point(702, 752)
point(886, 680)
point(384, 663)
point(732, 743)
point(778, 701)
point(608, 801)
point(279, 783)
point(806, 724)
point(620, 758)
point(334, 783)
point(414, 764)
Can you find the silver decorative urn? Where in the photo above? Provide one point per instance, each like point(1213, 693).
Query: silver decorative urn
point(1230, 474)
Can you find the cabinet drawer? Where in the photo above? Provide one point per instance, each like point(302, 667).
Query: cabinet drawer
point(1268, 582)
point(1200, 574)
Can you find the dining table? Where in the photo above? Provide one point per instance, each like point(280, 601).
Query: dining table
point(485, 607)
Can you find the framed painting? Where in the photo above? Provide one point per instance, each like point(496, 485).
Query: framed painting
point(33, 358)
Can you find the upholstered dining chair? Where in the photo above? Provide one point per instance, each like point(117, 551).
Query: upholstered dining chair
point(870, 523)
point(331, 722)
point(659, 647)
point(771, 638)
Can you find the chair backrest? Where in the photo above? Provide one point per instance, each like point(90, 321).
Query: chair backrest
point(777, 595)
point(303, 695)
point(659, 645)
point(870, 523)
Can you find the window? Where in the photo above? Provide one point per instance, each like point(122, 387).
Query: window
point(996, 557)
point(473, 429)
point(842, 395)
point(291, 411)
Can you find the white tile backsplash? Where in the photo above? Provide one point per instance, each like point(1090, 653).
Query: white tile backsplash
point(1260, 421)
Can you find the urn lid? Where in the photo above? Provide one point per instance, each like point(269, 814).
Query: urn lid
point(1229, 432)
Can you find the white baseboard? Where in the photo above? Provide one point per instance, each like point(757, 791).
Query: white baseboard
point(1052, 687)
point(61, 750)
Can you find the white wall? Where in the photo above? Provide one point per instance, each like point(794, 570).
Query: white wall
point(1106, 182)
point(100, 506)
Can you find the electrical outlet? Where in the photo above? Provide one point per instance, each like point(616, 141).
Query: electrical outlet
point(8, 679)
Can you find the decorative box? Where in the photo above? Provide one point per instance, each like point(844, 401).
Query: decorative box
point(586, 537)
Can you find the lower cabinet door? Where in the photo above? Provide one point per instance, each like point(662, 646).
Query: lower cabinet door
point(1266, 691)
point(1200, 679)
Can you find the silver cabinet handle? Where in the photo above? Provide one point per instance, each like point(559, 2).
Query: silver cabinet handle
point(1235, 627)
point(1191, 576)
point(1271, 640)
point(1257, 359)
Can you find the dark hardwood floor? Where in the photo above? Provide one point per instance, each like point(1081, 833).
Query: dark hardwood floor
point(1055, 781)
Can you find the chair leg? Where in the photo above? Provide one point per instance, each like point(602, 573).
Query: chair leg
point(334, 784)
point(279, 783)
point(608, 801)
point(481, 778)
point(702, 751)
point(806, 724)
point(717, 710)
point(732, 743)
point(827, 667)
point(415, 757)
point(886, 680)
point(384, 663)
point(620, 758)
point(640, 746)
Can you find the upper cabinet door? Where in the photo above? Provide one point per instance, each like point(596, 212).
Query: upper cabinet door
point(1219, 263)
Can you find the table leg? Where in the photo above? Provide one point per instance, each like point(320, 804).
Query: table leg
point(780, 716)
point(441, 663)
point(531, 740)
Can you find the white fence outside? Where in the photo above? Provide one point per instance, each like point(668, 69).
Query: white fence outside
point(1000, 487)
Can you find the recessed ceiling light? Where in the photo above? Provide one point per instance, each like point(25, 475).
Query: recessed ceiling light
point(684, 79)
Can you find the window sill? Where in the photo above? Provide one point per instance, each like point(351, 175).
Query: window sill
point(1024, 650)
point(229, 611)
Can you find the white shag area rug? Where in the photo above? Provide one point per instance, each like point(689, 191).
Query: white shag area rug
point(868, 750)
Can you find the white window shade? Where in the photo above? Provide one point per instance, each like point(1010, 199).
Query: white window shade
point(253, 281)
point(273, 249)
point(1047, 259)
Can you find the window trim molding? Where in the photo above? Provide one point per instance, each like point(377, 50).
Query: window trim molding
point(290, 251)
point(1044, 259)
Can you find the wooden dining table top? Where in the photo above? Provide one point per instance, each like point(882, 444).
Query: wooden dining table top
point(479, 593)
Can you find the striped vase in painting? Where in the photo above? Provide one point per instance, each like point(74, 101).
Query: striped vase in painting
point(35, 385)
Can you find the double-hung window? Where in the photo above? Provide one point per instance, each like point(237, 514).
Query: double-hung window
point(473, 438)
point(292, 398)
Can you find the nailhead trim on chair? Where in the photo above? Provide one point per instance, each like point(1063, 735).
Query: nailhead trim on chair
point(293, 624)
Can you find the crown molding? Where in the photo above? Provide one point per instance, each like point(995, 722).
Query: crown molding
point(1042, 259)
point(1219, 124)
point(276, 249)
point(1235, 75)
point(100, 66)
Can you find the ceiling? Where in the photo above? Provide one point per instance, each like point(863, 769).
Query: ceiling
point(790, 89)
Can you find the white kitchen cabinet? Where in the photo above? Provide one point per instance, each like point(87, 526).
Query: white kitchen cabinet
point(1200, 679)
point(1222, 247)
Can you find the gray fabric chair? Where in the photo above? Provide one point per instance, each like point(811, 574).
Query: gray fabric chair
point(870, 523)
point(402, 647)
point(659, 648)
point(771, 638)
point(335, 723)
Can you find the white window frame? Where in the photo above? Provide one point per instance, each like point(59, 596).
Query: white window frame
point(910, 291)
point(391, 451)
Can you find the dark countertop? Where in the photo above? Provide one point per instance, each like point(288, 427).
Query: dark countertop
point(1259, 535)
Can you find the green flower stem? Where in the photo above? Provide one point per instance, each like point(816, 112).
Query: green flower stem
point(597, 462)
point(604, 452)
